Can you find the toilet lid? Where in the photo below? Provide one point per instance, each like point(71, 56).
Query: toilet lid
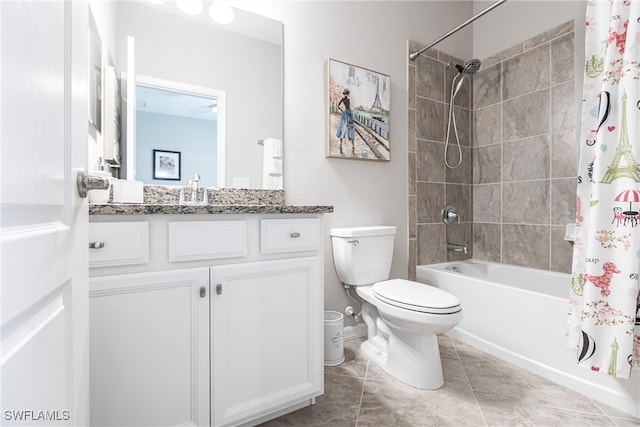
point(416, 296)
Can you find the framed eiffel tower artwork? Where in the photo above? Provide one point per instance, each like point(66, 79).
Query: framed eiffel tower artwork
point(358, 107)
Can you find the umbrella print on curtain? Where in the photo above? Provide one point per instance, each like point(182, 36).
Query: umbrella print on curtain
point(603, 298)
point(631, 196)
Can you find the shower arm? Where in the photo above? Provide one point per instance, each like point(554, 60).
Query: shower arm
point(414, 55)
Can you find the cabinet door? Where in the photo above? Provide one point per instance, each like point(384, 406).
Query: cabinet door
point(150, 348)
point(266, 338)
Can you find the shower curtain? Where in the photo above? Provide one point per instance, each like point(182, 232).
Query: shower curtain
point(604, 323)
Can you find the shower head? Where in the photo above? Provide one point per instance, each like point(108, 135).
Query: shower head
point(468, 69)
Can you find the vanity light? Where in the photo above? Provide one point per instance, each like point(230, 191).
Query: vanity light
point(221, 12)
point(190, 7)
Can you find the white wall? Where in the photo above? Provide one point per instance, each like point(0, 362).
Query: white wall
point(371, 35)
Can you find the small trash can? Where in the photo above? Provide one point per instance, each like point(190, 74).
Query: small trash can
point(333, 339)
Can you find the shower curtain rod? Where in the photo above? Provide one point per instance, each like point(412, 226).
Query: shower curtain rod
point(414, 55)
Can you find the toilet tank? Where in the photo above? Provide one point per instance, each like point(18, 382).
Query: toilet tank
point(362, 255)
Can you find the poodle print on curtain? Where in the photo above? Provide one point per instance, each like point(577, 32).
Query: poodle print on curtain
point(604, 324)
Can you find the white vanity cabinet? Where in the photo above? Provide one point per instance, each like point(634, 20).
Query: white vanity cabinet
point(150, 348)
point(221, 325)
point(265, 332)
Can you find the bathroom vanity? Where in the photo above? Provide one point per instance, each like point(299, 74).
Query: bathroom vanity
point(204, 315)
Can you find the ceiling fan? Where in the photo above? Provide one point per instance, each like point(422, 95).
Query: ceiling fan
point(212, 106)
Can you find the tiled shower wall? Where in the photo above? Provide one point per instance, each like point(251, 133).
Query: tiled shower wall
point(515, 189)
point(526, 152)
point(431, 185)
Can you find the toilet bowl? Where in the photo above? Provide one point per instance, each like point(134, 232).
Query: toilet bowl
point(403, 317)
point(412, 354)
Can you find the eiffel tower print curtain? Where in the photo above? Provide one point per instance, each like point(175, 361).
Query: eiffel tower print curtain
point(604, 328)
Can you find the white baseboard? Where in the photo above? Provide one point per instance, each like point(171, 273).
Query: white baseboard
point(355, 331)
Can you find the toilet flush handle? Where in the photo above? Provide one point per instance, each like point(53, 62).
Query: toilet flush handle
point(354, 242)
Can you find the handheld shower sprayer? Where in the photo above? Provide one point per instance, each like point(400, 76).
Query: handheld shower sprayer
point(468, 69)
point(459, 85)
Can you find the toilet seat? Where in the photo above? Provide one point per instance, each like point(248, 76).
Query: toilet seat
point(416, 296)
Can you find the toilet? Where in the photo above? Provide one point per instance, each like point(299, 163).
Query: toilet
point(403, 317)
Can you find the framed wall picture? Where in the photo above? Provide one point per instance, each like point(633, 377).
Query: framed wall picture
point(166, 165)
point(358, 107)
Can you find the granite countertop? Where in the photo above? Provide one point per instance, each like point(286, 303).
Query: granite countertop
point(173, 209)
point(164, 200)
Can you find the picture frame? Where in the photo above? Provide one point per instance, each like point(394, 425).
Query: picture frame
point(166, 165)
point(357, 109)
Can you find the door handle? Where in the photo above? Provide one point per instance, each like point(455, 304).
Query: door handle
point(86, 183)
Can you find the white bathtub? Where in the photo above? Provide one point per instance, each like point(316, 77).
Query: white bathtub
point(520, 315)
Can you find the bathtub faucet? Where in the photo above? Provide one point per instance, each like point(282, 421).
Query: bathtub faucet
point(456, 247)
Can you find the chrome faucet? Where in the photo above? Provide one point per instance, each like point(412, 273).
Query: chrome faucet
point(195, 179)
point(456, 247)
point(192, 184)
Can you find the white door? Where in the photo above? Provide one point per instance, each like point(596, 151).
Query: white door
point(43, 233)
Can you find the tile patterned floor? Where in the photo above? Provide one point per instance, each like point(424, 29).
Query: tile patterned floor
point(479, 390)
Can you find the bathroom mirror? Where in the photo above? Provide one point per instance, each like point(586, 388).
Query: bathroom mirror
point(185, 120)
point(242, 60)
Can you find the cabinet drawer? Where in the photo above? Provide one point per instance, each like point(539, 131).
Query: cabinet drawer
point(190, 241)
point(289, 235)
point(123, 243)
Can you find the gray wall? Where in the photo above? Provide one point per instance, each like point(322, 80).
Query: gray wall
point(432, 186)
point(515, 189)
point(516, 21)
point(525, 152)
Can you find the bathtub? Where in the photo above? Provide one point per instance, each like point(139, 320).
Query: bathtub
point(520, 315)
